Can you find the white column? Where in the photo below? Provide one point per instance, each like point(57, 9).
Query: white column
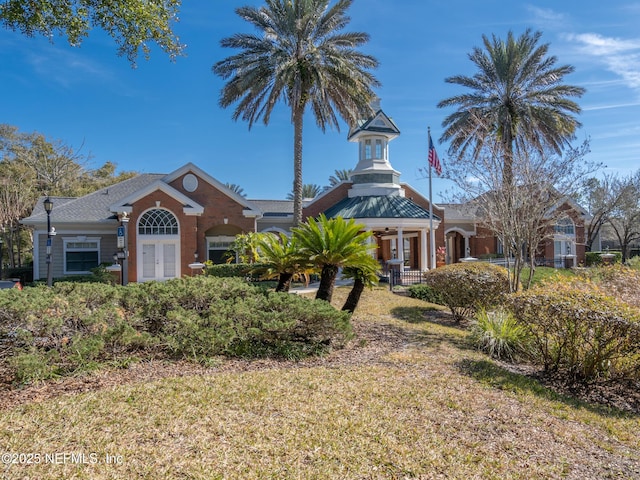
point(467, 250)
point(400, 248)
point(372, 241)
point(424, 254)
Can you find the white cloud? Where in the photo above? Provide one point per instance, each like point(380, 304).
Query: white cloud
point(545, 16)
point(608, 106)
point(67, 68)
point(620, 56)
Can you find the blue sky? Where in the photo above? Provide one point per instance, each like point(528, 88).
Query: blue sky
point(161, 115)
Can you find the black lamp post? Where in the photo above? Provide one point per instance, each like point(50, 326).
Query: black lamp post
point(48, 206)
point(124, 219)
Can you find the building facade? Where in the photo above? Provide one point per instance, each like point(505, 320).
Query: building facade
point(160, 226)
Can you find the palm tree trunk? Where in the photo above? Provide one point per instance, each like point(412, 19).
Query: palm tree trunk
point(284, 282)
point(354, 296)
point(327, 281)
point(507, 167)
point(298, 113)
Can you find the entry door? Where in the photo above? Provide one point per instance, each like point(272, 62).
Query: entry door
point(159, 261)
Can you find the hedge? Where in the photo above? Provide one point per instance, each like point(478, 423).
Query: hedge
point(73, 327)
point(578, 329)
point(468, 287)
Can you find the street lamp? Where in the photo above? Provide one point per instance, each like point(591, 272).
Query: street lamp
point(48, 206)
point(124, 219)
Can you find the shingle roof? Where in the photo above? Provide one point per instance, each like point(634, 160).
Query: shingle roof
point(378, 207)
point(389, 127)
point(93, 207)
point(274, 208)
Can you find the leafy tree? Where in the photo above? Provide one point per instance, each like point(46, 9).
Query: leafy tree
point(364, 274)
point(300, 56)
point(521, 214)
point(32, 166)
point(235, 189)
point(132, 23)
point(604, 198)
point(17, 195)
point(244, 248)
point(625, 217)
point(280, 255)
point(516, 97)
point(309, 190)
point(331, 244)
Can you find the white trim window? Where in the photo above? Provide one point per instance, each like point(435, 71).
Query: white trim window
point(564, 241)
point(81, 254)
point(158, 221)
point(217, 246)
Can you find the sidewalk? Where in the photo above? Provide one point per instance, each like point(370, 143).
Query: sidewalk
point(313, 287)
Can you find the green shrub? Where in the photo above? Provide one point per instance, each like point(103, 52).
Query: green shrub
point(594, 259)
point(34, 365)
point(72, 327)
point(499, 334)
point(276, 324)
point(618, 281)
point(467, 287)
point(634, 262)
point(425, 293)
point(575, 328)
point(240, 270)
point(152, 301)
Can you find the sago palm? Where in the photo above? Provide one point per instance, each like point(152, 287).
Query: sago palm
point(299, 56)
point(365, 273)
point(279, 255)
point(516, 99)
point(331, 244)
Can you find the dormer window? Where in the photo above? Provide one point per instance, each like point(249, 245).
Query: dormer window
point(379, 148)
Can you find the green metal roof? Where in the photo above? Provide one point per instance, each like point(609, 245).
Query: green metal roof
point(381, 206)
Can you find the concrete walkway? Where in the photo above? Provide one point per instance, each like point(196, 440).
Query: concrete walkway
point(313, 287)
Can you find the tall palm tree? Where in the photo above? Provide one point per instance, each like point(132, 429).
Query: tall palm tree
point(301, 57)
point(331, 244)
point(309, 190)
point(517, 98)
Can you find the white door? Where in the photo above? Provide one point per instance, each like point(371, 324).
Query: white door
point(158, 261)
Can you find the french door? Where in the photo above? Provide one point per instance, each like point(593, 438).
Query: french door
point(158, 260)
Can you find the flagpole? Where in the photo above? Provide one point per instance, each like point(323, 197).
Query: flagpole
point(432, 234)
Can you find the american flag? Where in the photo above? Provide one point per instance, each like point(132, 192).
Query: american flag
point(434, 161)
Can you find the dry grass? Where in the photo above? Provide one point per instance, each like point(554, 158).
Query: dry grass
point(407, 399)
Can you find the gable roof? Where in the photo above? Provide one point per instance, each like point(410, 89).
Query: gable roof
point(92, 208)
point(379, 206)
point(190, 207)
point(192, 168)
point(379, 123)
point(274, 208)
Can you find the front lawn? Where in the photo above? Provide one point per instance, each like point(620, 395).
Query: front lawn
point(407, 398)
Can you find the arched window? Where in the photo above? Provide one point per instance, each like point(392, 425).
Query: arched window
point(158, 222)
point(565, 226)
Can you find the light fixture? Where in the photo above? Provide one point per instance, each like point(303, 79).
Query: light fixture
point(48, 207)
